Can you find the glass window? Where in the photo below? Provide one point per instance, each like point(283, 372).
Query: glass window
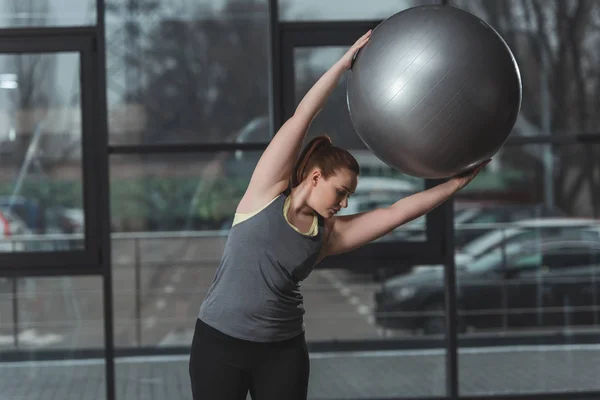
point(56, 317)
point(184, 192)
point(555, 196)
point(542, 191)
point(544, 185)
point(181, 72)
point(402, 308)
point(310, 63)
point(41, 193)
point(555, 43)
point(47, 13)
point(314, 10)
point(170, 215)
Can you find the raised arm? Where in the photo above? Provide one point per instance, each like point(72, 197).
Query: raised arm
point(349, 232)
point(272, 173)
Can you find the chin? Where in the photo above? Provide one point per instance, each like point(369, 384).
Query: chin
point(325, 214)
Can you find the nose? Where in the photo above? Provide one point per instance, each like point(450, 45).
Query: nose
point(344, 202)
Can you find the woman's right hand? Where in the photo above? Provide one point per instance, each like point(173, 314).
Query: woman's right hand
point(347, 58)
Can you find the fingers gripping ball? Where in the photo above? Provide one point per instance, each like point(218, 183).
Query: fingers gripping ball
point(435, 92)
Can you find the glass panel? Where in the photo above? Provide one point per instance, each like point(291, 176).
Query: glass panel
point(378, 185)
point(404, 309)
point(555, 43)
point(335, 10)
point(528, 269)
point(55, 317)
point(47, 13)
point(310, 63)
point(181, 72)
point(41, 194)
point(170, 218)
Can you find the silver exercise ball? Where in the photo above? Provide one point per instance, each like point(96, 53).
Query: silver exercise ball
point(434, 92)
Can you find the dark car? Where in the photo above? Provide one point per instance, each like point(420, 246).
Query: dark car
point(552, 282)
point(473, 220)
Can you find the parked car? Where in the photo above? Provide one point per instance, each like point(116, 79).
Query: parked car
point(474, 219)
point(519, 231)
point(535, 282)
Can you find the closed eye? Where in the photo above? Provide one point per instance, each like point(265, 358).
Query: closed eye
point(343, 193)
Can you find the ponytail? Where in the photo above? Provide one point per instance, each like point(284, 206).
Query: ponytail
point(320, 152)
point(316, 144)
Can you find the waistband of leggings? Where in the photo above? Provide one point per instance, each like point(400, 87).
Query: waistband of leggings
point(214, 333)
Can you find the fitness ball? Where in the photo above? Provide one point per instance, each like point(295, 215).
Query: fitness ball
point(434, 92)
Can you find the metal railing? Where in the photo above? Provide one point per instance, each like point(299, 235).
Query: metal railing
point(134, 250)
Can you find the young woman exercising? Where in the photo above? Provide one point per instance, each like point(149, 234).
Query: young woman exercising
point(249, 335)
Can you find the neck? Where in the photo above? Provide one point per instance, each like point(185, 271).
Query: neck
point(299, 200)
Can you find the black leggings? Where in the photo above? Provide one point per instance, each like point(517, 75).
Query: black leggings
point(225, 368)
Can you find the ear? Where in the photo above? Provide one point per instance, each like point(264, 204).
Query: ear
point(314, 176)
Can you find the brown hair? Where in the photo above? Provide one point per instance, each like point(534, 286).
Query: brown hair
point(321, 153)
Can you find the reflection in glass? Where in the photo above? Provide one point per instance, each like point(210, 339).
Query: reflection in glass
point(170, 217)
point(528, 265)
point(51, 317)
point(405, 307)
point(336, 10)
point(185, 192)
point(181, 72)
point(555, 43)
point(47, 13)
point(527, 269)
point(310, 63)
point(509, 210)
point(41, 201)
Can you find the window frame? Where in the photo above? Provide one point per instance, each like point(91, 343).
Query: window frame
point(87, 261)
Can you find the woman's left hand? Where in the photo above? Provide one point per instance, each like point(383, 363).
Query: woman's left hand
point(347, 58)
point(463, 179)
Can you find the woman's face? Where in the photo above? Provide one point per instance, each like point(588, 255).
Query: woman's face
point(330, 195)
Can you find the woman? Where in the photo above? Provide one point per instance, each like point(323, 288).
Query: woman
point(249, 334)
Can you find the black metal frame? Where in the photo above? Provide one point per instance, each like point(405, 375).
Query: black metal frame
point(96, 259)
point(81, 41)
point(104, 201)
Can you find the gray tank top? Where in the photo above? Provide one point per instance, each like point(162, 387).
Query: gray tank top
point(255, 294)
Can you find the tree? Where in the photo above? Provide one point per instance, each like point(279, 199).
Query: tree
point(201, 75)
point(555, 43)
point(205, 77)
point(334, 119)
point(39, 109)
